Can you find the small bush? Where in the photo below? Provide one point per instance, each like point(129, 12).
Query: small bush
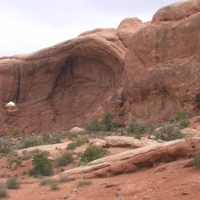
point(12, 183)
point(168, 132)
point(181, 119)
point(65, 159)
point(76, 143)
point(46, 181)
point(184, 123)
point(92, 153)
point(136, 127)
point(5, 146)
point(197, 160)
point(83, 183)
point(16, 133)
point(26, 155)
point(108, 122)
point(92, 126)
point(3, 190)
point(64, 178)
point(54, 186)
point(42, 165)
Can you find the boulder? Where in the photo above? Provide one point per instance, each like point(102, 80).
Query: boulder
point(122, 141)
point(97, 143)
point(13, 166)
point(77, 130)
point(126, 29)
point(79, 150)
point(177, 11)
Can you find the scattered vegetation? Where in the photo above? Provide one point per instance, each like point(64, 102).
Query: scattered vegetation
point(181, 119)
point(12, 183)
point(107, 123)
point(65, 159)
point(197, 160)
point(3, 190)
point(42, 165)
point(92, 126)
point(137, 128)
point(168, 132)
point(13, 160)
point(36, 140)
point(92, 153)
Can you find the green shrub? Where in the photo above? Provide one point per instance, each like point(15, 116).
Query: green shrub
point(108, 122)
point(76, 143)
point(16, 133)
point(42, 165)
point(178, 116)
point(181, 119)
point(92, 153)
point(12, 183)
point(83, 183)
point(92, 126)
point(184, 123)
point(168, 132)
point(71, 146)
point(197, 160)
point(3, 190)
point(136, 127)
point(65, 159)
point(13, 160)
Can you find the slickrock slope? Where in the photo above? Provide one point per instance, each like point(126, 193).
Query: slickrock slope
point(139, 70)
point(54, 88)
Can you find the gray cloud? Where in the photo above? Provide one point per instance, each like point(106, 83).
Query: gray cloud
point(27, 26)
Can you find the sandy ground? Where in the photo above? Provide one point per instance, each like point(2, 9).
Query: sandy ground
point(165, 181)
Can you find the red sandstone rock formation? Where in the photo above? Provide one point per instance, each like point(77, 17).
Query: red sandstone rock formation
point(147, 76)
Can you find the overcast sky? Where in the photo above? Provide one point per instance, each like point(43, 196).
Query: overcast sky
point(27, 26)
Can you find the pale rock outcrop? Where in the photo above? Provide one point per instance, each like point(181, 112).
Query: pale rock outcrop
point(189, 133)
point(131, 161)
point(13, 166)
point(76, 130)
point(97, 143)
point(124, 141)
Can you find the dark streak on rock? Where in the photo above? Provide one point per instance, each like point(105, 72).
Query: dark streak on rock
point(17, 79)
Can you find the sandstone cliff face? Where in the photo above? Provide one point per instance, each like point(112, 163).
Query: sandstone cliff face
point(139, 70)
point(161, 68)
